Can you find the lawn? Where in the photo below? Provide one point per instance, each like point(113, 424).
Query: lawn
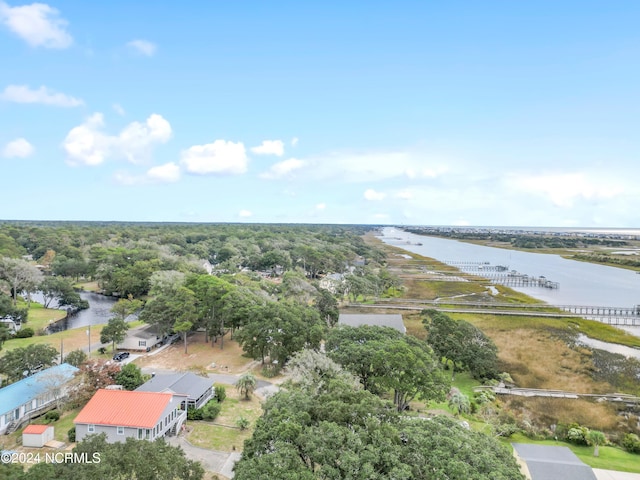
point(222, 434)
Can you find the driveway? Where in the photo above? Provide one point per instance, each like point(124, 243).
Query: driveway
point(212, 460)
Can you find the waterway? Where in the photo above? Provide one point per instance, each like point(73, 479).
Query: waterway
point(581, 283)
point(99, 311)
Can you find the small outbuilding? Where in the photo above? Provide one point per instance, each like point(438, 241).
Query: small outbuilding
point(37, 435)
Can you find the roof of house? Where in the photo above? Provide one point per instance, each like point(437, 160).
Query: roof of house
point(548, 462)
point(379, 320)
point(144, 331)
point(36, 429)
point(19, 393)
point(124, 408)
point(188, 383)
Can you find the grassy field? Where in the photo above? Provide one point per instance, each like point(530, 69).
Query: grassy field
point(223, 434)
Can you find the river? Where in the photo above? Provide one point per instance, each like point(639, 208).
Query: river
point(97, 313)
point(581, 283)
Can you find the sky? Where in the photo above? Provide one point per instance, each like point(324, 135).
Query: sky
point(407, 112)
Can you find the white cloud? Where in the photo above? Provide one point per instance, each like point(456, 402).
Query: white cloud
point(18, 148)
point(563, 189)
point(143, 47)
point(371, 195)
point(376, 166)
point(321, 206)
point(245, 213)
point(118, 109)
point(294, 141)
point(405, 195)
point(167, 173)
point(37, 24)
point(283, 169)
point(269, 147)
point(43, 95)
point(87, 144)
point(217, 158)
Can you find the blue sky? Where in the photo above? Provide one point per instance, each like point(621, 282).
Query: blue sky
point(438, 113)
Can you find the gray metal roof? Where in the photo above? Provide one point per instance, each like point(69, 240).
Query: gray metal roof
point(187, 383)
point(378, 320)
point(548, 462)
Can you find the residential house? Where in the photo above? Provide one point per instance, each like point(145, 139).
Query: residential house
point(121, 414)
point(380, 320)
point(142, 338)
point(33, 395)
point(199, 390)
point(11, 324)
point(332, 282)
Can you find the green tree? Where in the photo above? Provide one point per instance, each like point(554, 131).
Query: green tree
point(125, 307)
point(5, 334)
point(20, 275)
point(25, 361)
point(465, 345)
point(340, 432)
point(596, 438)
point(458, 401)
point(130, 377)
point(115, 332)
point(139, 459)
point(246, 384)
point(327, 306)
point(278, 329)
point(76, 358)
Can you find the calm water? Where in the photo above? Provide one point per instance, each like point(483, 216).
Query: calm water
point(581, 283)
point(97, 313)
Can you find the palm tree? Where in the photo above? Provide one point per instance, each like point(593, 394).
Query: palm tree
point(596, 439)
point(246, 384)
point(459, 402)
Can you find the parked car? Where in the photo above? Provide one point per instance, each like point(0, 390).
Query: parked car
point(118, 357)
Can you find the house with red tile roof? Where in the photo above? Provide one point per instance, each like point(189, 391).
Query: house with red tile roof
point(122, 413)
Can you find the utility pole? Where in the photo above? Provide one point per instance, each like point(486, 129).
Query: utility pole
point(89, 335)
point(61, 351)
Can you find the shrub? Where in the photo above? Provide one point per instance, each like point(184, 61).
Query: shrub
point(211, 410)
point(242, 423)
point(220, 393)
point(631, 443)
point(102, 350)
point(194, 413)
point(52, 416)
point(577, 434)
point(71, 434)
point(25, 333)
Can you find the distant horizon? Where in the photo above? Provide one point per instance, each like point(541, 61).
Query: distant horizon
point(629, 230)
point(321, 112)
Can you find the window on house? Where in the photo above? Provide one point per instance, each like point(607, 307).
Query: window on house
point(142, 343)
point(91, 429)
point(120, 431)
point(147, 434)
point(139, 434)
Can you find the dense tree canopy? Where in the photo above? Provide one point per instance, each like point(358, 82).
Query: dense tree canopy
point(24, 361)
point(139, 459)
point(462, 343)
point(340, 432)
point(385, 359)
